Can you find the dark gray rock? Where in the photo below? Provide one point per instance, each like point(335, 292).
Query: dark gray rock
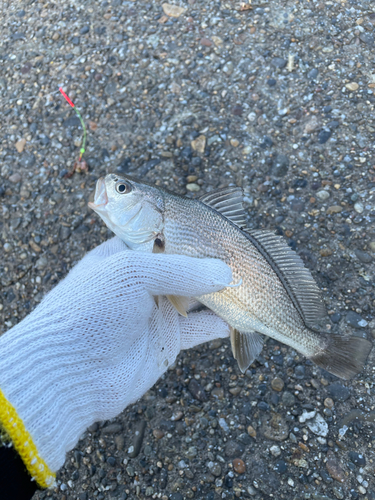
point(27, 160)
point(137, 439)
point(312, 74)
point(338, 392)
point(279, 62)
point(363, 256)
point(324, 135)
point(197, 391)
point(355, 320)
point(280, 165)
point(234, 449)
point(357, 458)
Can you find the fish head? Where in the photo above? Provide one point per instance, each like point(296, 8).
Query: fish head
point(131, 209)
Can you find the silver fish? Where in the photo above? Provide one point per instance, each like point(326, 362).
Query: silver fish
point(272, 293)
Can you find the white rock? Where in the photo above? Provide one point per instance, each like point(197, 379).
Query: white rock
point(306, 415)
point(318, 426)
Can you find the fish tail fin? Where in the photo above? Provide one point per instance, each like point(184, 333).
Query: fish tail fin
point(344, 357)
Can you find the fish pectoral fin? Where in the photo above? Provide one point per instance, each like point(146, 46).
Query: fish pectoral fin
point(245, 347)
point(180, 303)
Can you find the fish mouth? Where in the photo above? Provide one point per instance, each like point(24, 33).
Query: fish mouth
point(101, 198)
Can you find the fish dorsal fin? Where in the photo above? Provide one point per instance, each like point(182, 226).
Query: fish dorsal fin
point(295, 277)
point(228, 202)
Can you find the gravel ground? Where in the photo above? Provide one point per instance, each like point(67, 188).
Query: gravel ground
point(278, 99)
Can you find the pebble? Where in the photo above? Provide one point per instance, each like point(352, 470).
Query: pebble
point(280, 165)
point(197, 391)
point(279, 62)
point(7, 247)
point(358, 207)
point(218, 392)
point(288, 399)
point(323, 195)
point(328, 403)
point(357, 458)
point(275, 429)
point(139, 433)
point(234, 142)
point(334, 209)
point(172, 10)
point(193, 187)
point(15, 178)
point(233, 449)
point(20, 145)
point(318, 425)
point(239, 466)
point(199, 144)
point(355, 320)
point(334, 469)
point(228, 68)
point(277, 384)
point(372, 246)
point(363, 256)
point(352, 86)
point(251, 431)
point(275, 450)
point(323, 136)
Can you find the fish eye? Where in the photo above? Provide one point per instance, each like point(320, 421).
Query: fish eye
point(123, 187)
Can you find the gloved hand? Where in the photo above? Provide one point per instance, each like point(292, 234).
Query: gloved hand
point(96, 344)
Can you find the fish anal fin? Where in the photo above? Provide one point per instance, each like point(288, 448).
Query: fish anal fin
point(180, 303)
point(296, 278)
point(344, 357)
point(245, 347)
point(228, 202)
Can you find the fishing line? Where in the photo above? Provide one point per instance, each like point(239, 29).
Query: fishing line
point(82, 150)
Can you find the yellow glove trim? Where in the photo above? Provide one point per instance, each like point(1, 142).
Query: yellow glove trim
point(24, 445)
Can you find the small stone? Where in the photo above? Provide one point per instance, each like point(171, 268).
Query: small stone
point(15, 178)
point(251, 431)
point(235, 390)
point(218, 392)
point(158, 433)
point(280, 467)
point(355, 320)
point(239, 466)
point(34, 246)
point(199, 144)
point(312, 74)
point(363, 256)
point(324, 135)
point(325, 252)
point(279, 62)
point(352, 86)
point(20, 145)
point(41, 263)
point(334, 209)
point(322, 195)
point(280, 165)
point(191, 452)
point(56, 36)
point(217, 41)
point(234, 142)
point(338, 392)
point(192, 187)
point(120, 442)
point(277, 384)
point(328, 403)
point(172, 10)
point(233, 449)
point(206, 42)
point(7, 247)
point(288, 399)
point(275, 450)
point(357, 458)
point(237, 110)
point(334, 469)
point(271, 82)
point(276, 428)
point(372, 246)
point(197, 391)
point(318, 425)
point(358, 207)
point(311, 125)
point(306, 415)
point(112, 428)
point(134, 450)
point(228, 68)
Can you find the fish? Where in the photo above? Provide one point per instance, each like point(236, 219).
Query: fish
point(272, 294)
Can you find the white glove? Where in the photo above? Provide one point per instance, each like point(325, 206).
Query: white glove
point(98, 342)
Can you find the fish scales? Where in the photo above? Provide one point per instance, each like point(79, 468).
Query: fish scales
point(261, 303)
point(272, 292)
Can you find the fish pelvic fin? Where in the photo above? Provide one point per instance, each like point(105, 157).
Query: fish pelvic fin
point(245, 347)
point(180, 303)
point(344, 357)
